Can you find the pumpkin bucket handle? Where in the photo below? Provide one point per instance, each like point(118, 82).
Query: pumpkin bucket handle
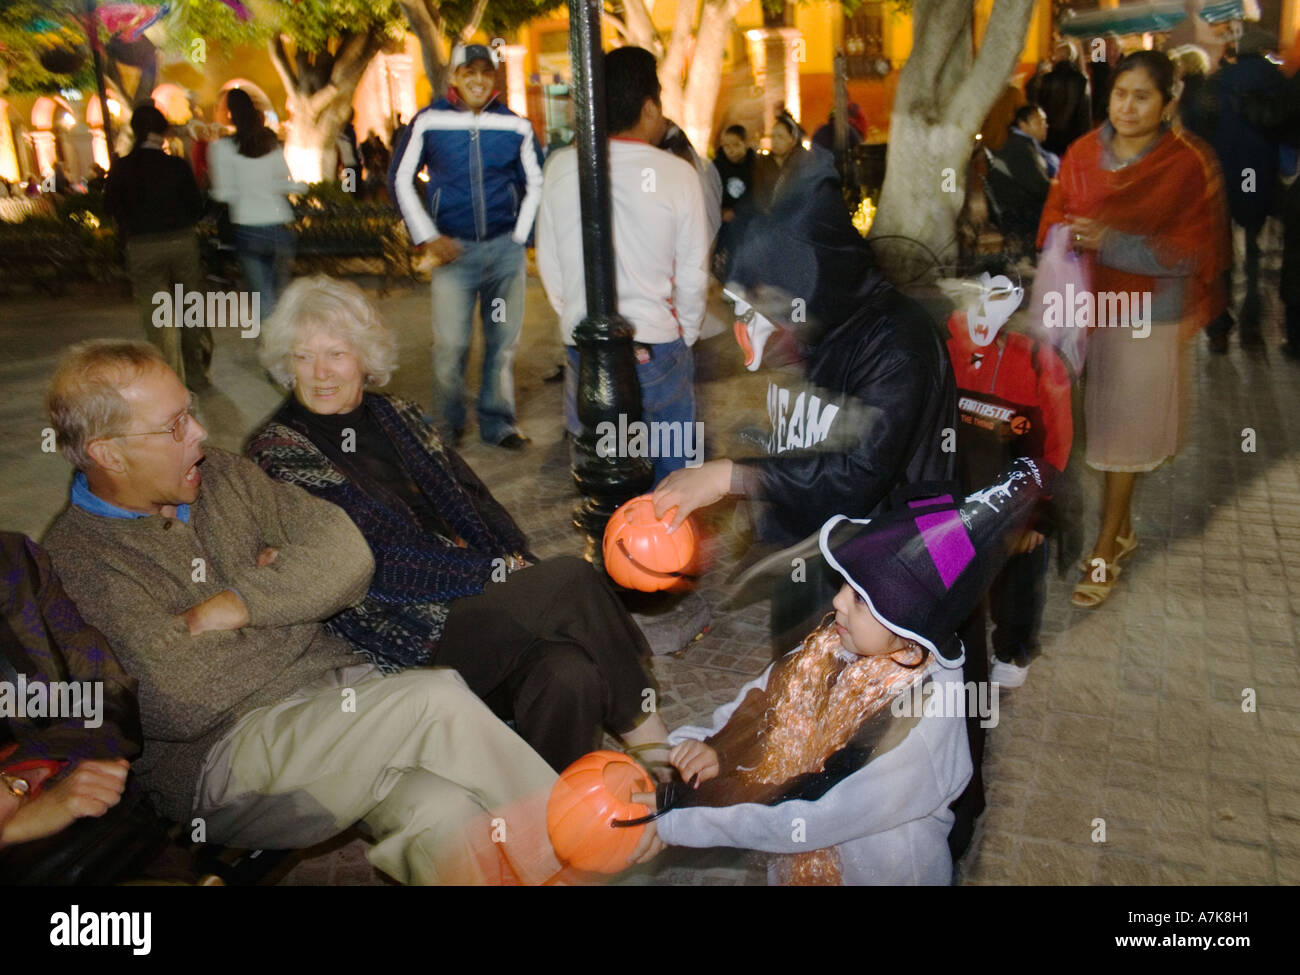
point(669, 796)
point(655, 573)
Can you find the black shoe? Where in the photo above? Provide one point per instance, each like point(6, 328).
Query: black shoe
point(513, 441)
point(1219, 344)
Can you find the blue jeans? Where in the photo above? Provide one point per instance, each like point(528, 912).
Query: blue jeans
point(266, 260)
point(667, 395)
point(490, 272)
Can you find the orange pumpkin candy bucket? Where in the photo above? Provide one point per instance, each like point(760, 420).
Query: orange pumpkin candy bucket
point(640, 554)
point(590, 795)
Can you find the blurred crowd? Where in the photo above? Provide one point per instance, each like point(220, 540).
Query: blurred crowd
point(919, 470)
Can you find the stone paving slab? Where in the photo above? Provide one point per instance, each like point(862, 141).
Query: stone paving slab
point(1132, 716)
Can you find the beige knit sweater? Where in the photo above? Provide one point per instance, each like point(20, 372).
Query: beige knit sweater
point(133, 578)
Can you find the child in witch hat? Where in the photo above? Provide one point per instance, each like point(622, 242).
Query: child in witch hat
point(846, 753)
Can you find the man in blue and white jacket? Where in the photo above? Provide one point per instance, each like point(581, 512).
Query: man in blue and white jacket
point(484, 184)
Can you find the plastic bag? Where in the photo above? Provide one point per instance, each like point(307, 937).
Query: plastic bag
point(1062, 274)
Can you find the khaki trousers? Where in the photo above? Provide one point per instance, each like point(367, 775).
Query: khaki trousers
point(447, 792)
point(156, 264)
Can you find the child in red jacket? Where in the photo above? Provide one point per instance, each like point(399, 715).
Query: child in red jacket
point(1013, 400)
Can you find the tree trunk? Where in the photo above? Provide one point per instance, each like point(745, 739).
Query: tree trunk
point(705, 76)
point(690, 63)
point(672, 61)
point(941, 103)
point(638, 29)
point(922, 196)
point(317, 114)
point(427, 29)
point(672, 98)
point(690, 93)
point(315, 123)
point(475, 19)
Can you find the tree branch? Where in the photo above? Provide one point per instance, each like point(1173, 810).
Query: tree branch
point(280, 59)
point(349, 67)
point(1003, 41)
point(640, 28)
point(935, 27)
point(617, 23)
point(475, 18)
point(956, 61)
point(674, 59)
point(351, 46)
point(427, 30)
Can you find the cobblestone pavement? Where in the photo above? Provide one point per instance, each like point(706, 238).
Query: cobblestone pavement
point(1132, 718)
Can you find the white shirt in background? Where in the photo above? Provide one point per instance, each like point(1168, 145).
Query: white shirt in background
point(661, 242)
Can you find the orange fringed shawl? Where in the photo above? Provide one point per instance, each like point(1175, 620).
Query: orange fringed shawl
point(1173, 196)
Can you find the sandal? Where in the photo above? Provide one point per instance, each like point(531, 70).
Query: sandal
point(1127, 544)
point(1088, 594)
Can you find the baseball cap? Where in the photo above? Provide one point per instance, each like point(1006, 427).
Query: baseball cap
point(469, 53)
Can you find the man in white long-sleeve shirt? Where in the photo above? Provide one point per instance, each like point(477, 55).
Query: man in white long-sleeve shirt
point(661, 246)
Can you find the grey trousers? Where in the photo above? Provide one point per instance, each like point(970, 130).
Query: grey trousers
point(156, 264)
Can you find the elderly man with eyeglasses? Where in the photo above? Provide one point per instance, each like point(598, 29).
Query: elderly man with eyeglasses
point(210, 581)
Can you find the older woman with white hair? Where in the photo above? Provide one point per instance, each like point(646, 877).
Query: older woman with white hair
point(545, 643)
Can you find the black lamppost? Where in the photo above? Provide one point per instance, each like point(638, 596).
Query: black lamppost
point(607, 383)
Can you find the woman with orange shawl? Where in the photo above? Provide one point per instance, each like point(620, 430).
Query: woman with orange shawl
point(1146, 208)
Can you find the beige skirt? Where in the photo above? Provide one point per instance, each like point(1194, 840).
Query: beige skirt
point(1133, 397)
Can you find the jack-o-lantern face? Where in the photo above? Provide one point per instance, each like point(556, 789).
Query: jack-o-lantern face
point(589, 795)
point(640, 554)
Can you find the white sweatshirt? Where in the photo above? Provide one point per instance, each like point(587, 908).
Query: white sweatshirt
point(889, 820)
point(661, 242)
point(255, 189)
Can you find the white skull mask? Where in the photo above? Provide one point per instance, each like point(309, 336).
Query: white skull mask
point(992, 306)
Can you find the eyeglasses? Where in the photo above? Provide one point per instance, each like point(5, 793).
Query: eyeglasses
point(177, 430)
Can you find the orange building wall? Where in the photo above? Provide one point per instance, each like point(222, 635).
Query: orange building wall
point(223, 64)
point(875, 98)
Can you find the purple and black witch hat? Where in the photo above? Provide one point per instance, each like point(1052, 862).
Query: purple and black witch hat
point(923, 568)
